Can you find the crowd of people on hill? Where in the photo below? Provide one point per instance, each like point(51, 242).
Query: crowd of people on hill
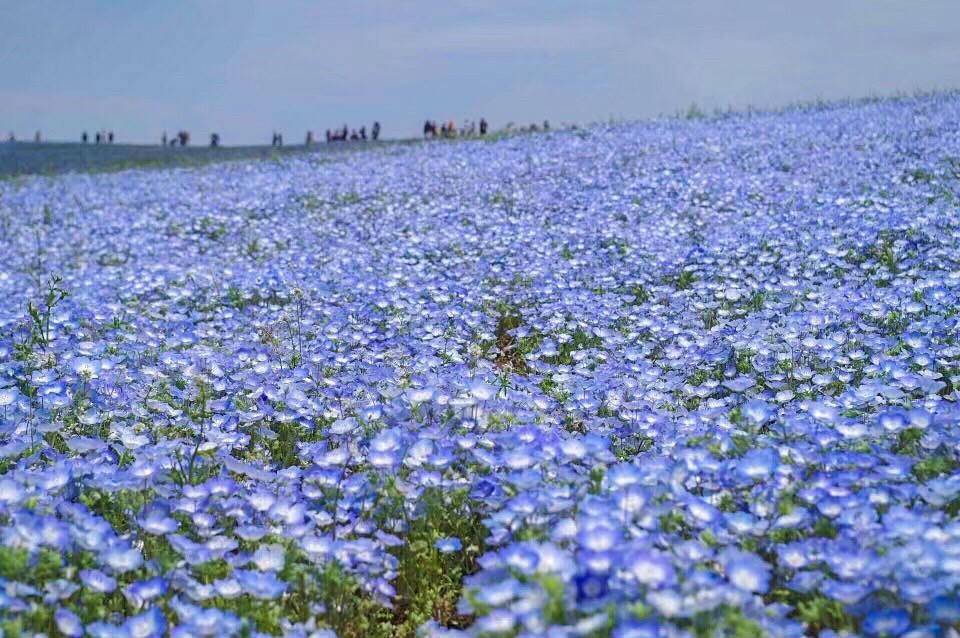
point(472, 129)
point(100, 137)
point(182, 138)
point(449, 129)
point(532, 128)
point(345, 133)
point(431, 130)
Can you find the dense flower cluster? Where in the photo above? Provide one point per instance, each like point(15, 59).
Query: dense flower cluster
point(678, 378)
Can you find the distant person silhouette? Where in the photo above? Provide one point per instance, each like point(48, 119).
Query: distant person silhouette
point(214, 140)
point(163, 140)
point(375, 131)
point(84, 138)
point(483, 126)
point(363, 133)
point(110, 137)
point(98, 137)
point(309, 139)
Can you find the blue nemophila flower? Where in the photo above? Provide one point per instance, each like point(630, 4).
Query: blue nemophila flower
point(522, 557)
point(822, 411)
point(448, 545)
point(288, 512)
point(204, 622)
point(97, 581)
point(893, 420)
point(250, 532)
point(758, 464)
point(121, 558)
point(385, 449)
point(740, 383)
point(746, 571)
point(11, 603)
point(269, 557)
point(68, 623)
point(8, 396)
point(757, 411)
point(86, 367)
point(886, 623)
point(150, 624)
point(100, 629)
point(668, 602)
point(945, 609)
point(262, 500)
point(591, 586)
point(59, 589)
point(498, 622)
point(141, 592)
point(846, 592)
point(228, 588)
point(192, 553)
point(343, 426)
point(650, 568)
point(481, 391)
point(599, 536)
point(701, 512)
point(264, 585)
point(11, 492)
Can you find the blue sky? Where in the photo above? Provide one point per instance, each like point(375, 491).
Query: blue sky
point(246, 67)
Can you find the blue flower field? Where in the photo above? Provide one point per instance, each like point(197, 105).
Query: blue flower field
point(680, 378)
